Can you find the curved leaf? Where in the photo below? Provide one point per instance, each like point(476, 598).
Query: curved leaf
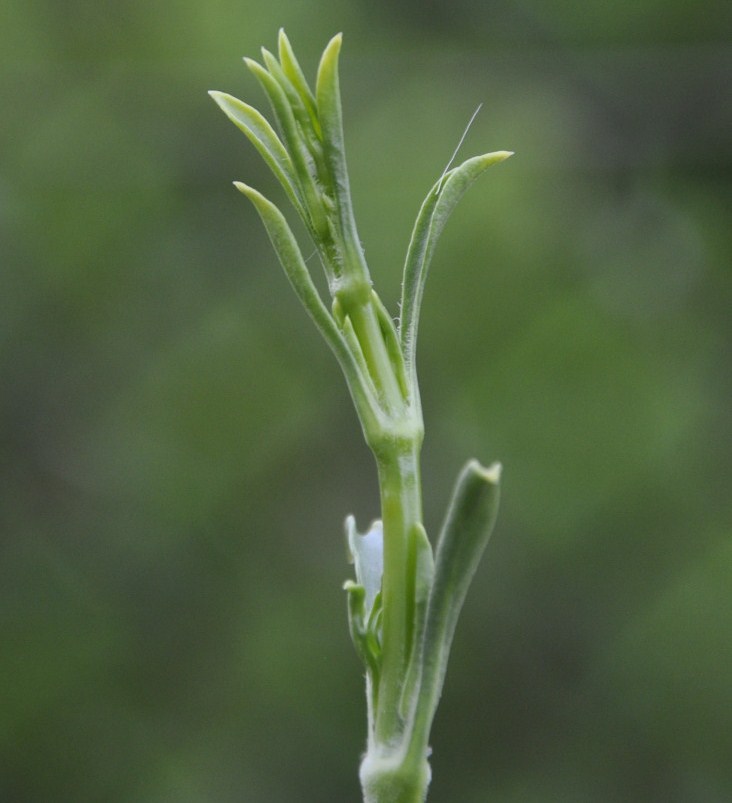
point(435, 210)
point(293, 71)
point(294, 98)
point(464, 537)
point(291, 259)
point(296, 147)
point(261, 134)
point(328, 99)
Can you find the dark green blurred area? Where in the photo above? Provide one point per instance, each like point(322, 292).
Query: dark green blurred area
point(179, 451)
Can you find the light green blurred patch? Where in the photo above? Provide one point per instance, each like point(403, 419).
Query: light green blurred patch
point(668, 672)
point(211, 411)
point(577, 411)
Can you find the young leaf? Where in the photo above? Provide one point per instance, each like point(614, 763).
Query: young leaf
point(465, 533)
point(296, 147)
point(293, 71)
point(261, 134)
point(291, 259)
point(391, 341)
point(435, 210)
point(424, 575)
point(294, 98)
point(328, 98)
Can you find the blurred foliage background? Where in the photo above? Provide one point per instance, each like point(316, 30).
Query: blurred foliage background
point(179, 451)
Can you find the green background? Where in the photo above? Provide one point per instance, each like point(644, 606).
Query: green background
point(179, 451)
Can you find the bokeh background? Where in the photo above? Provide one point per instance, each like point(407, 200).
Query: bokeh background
point(179, 451)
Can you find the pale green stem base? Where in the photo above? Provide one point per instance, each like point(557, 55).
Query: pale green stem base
point(387, 780)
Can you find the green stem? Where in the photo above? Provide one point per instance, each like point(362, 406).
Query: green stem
point(401, 509)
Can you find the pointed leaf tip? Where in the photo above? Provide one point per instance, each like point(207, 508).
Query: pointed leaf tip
point(245, 189)
point(488, 159)
point(218, 97)
point(332, 49)
point(253, 65)
point(435, 210)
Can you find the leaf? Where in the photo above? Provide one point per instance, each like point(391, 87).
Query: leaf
point(365, 642)
point(293, 71)
point(465, 534)
point(285, 117)
point(328, 99)
point(261, 134)
point(294, 98)
point(424, 575)
point(435, 210)
point(391, 341)
point(291, 259)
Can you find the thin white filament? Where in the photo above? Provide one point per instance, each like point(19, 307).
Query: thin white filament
point(459, 145)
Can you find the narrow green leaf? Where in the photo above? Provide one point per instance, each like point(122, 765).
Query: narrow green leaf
point(465, 534)
point(271, 63)
point(296, 147)
point(261, 134)
point(297, 104)
point(435, 210)
point(354, 344)
point(291, 259)
point(328, 99)
point(307, 126)
point(293, 71)
point(349, 333)
point(356, 611)
point(365, 642)
point(424, 574)
point(391, 341)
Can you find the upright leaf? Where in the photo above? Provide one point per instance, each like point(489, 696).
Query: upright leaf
point(285, 117)
point(465, 533)
point(293, 71)
point(435, 210)
point(294, 98)
point(328, 98)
